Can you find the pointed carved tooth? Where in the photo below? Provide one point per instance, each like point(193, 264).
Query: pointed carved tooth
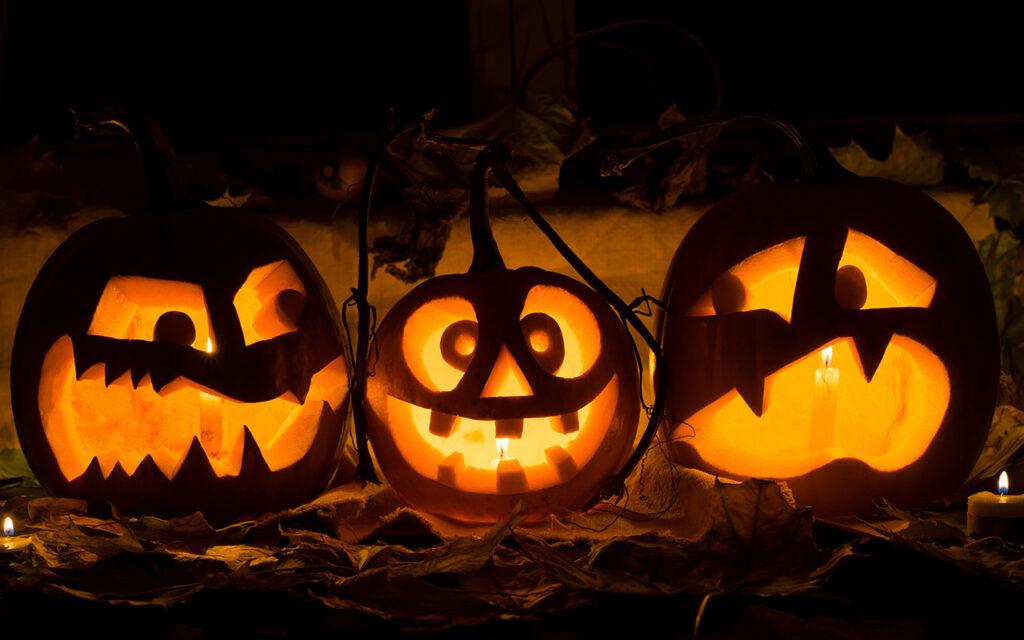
point(508, 428)
point(195, 464)
point(85, 360)
point(289, 396)
point(442, 424)
point(253, 464)
point(448, 470)
point(301, 388)
point(751, 389)
point(137, 375)
point(108, 459)
point(566, 423)
point(117, 372)
point(147, 471)
point(117, 474)
point(563, 463)
point(95, 372)
point(870, 344)
point(161, 378)
point(511, 478)
point(93, 473)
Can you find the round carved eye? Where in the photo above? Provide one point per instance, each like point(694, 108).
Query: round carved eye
point(458, 343)
point(174, 327)
point(291, 307)
point(545, 340)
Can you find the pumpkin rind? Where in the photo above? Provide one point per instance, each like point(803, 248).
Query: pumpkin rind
point(709, 355)
point(216, 250)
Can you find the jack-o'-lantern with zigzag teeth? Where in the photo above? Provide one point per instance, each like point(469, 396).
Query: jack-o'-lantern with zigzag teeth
point(177, 361)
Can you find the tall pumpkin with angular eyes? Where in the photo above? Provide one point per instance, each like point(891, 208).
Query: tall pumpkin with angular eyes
point(840, 337)
point(179, 361)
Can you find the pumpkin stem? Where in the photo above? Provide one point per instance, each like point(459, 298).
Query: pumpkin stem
point(165, 178)
point(485, 251)
point(615, 483)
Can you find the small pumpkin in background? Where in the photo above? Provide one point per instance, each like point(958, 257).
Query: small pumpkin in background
point(341, 180)
point(837, 336)
point(179, 360)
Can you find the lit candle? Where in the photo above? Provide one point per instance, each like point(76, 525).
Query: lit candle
point(1000, 515)
point(11, 542)
point(823, 404)
point(502, 446)
point(210, 409)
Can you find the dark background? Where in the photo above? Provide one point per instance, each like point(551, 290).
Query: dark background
point(334, 69)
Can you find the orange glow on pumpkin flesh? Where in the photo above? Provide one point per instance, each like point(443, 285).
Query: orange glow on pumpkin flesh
point(771, 279)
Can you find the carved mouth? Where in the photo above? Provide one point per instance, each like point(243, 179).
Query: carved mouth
point(121, 423)
point(504, 456)
point(811, 417)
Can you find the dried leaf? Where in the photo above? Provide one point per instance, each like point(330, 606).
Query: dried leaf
point(757, 535)
point(14, 465)
point(1001, 255)
point(925, 526)
point(1005, 439)
point(230, 201)
point(434, 178)
point(673, 171)
point(913, 160)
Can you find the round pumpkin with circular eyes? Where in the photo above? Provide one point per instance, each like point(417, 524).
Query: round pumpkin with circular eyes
point(840, 337)
point(178, 361)
point(497, 386)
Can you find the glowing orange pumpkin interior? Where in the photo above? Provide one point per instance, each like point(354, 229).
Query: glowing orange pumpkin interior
point(821, 407)
point(511, 454)
point(83, 417)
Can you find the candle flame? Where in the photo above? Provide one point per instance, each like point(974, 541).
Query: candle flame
point(502, 447)
point(8, 527)
point(1004, 483)
point(826, 357)
point(209, 345)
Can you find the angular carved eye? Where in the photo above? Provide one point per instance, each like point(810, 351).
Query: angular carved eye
point(872, 276)
point(150, 309)
point(765, 280)
point(174, 327)
point(271, 302)
point(545, 340)
point(458, 343)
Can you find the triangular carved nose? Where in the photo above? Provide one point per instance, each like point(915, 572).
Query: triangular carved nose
point(506, 379)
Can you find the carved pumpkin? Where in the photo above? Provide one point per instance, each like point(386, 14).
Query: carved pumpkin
point(840, 337)
point(497, 386)
point(179, 361)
